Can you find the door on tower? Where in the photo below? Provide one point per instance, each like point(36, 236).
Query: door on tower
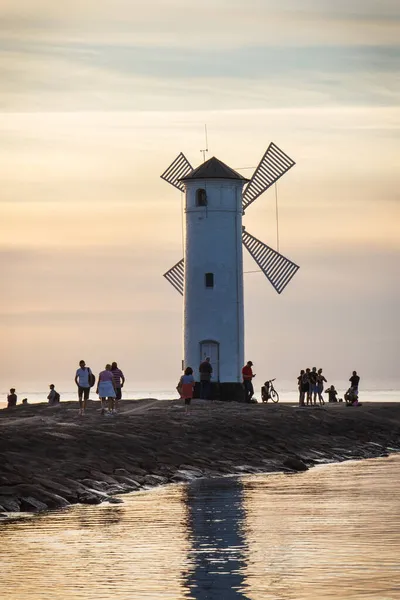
point(211, 348)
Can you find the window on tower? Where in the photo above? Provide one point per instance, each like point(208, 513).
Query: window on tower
point(201, 197)
point(209, 279)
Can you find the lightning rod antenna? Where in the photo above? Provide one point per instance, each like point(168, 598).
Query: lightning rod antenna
point(206, 148)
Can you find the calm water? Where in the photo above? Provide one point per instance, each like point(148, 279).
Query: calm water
point(330, 533)
point(286, 394)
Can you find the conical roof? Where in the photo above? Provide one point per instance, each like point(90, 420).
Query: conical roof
point(213, 169)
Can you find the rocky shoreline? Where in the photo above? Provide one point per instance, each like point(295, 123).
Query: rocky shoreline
point(51, 458)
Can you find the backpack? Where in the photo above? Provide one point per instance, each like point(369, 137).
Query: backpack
point(92, 378)
point(56, 397)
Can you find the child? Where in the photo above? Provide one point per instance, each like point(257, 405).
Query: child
point(186, 385)
point(12, 399)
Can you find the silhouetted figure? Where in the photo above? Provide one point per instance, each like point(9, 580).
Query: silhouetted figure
point(313, 378)
point(302, 384)
point(84, 381)
point(106, 390)
point(320, 386)
point(119, 380)
point(332, 394)
point(186, 386)
point(307, 386)
point(355, 380)
point(247, 374)
point(54, 396)
point(351, 397)
point(205, 370)
point(12, 399)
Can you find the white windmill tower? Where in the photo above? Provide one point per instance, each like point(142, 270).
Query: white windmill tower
point(210, 276)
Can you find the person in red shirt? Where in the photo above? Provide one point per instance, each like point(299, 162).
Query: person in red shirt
point(247, 374)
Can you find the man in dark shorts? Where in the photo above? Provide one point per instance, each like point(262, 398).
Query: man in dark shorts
point(119, 380)
point(82, 380)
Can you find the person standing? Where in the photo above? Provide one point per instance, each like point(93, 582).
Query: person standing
point(307, 386)
point(205, 370)
point(301, 387)
point(355, 380)
point(106, 390)
point(83, 379)
point(119, 380)
point(186, 386)
point(313, 376)
point(247, 374)
point(12, 399)
point(320, 386)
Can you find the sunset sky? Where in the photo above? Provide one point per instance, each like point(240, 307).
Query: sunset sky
point(97, 98)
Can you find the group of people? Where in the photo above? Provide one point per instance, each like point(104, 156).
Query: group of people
point(109, 387)
point(187, 382)
point(311, 386)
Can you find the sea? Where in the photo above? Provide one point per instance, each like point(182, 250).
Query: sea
point(331, 533)
point(369, 392)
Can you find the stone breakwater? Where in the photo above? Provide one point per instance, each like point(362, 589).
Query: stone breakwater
point(51, 458)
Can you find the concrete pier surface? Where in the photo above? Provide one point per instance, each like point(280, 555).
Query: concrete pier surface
point(51, 457)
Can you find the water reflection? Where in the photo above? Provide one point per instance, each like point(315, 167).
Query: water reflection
point(218, 555)
point(331, 533)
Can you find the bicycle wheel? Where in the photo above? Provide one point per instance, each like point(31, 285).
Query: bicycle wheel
point(274, 396)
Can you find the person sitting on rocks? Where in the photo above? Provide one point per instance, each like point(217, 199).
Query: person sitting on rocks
point(53, 397)
point(332, 393)
point(351, 397)
point(12, 399)
point(24, 401)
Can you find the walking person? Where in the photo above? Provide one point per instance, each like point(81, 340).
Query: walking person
point(186, 387)
point(205, 370)
point(119, 380)
point(320, 386)
point(247, 374)
point(106, 390)
point(84, 380)
point(12, 399)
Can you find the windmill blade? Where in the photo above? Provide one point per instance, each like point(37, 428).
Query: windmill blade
point(179, 168)
point(273, 165)
point(278, 269)
point(176, 276)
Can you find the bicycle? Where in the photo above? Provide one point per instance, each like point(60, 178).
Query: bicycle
point(268, 392)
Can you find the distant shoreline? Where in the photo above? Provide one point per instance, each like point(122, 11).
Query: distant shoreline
point(52, 458)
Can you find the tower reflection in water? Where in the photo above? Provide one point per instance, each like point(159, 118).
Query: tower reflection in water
point(218, 552)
